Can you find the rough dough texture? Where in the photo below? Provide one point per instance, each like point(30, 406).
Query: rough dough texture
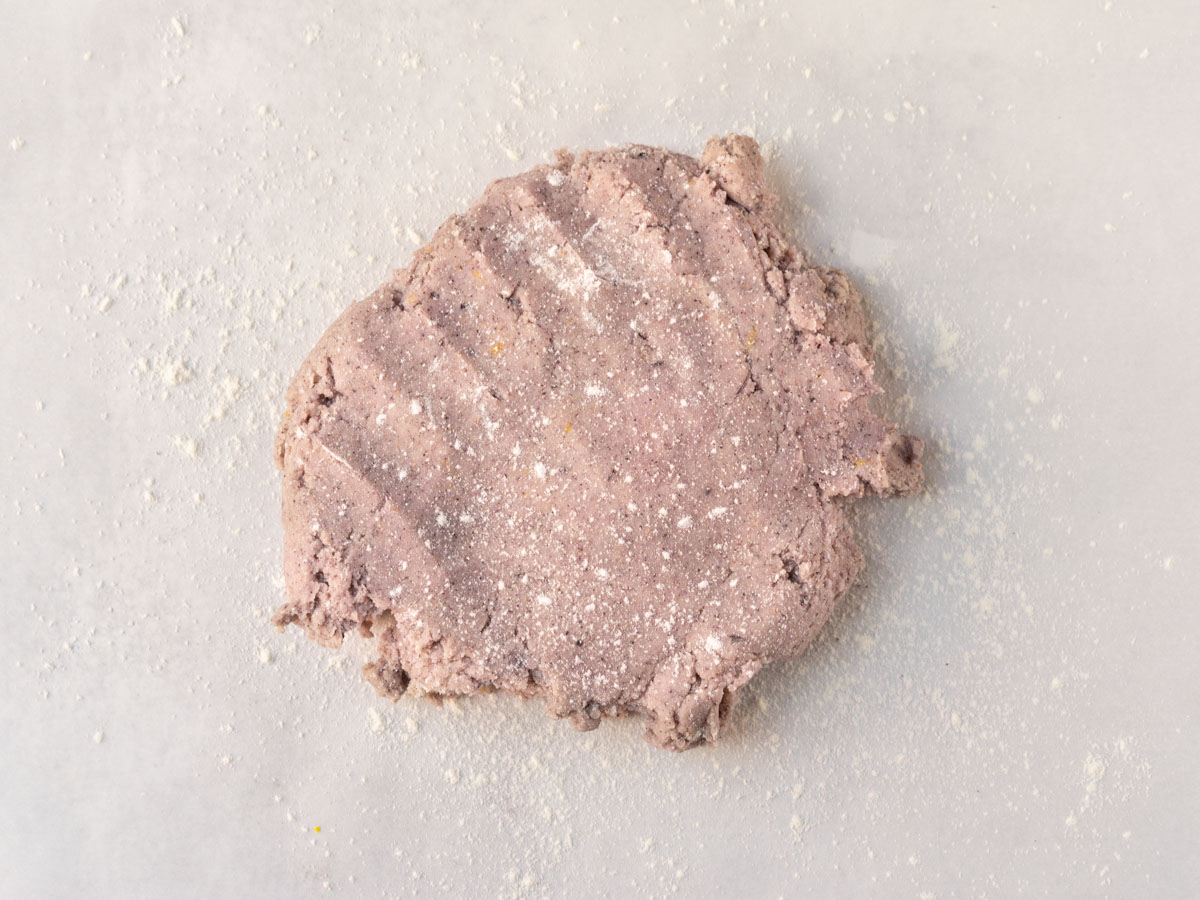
point(593, 445)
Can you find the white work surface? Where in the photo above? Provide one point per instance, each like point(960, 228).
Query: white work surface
point(1005, 705)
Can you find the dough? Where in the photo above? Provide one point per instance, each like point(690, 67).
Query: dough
point(593, 445)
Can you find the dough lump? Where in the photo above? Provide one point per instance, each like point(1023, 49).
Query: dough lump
point(592, 445)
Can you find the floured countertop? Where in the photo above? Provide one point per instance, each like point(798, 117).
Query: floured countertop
point(1005, 704)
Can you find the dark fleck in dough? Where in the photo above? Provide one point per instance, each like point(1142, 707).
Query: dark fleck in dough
point(593, 445)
